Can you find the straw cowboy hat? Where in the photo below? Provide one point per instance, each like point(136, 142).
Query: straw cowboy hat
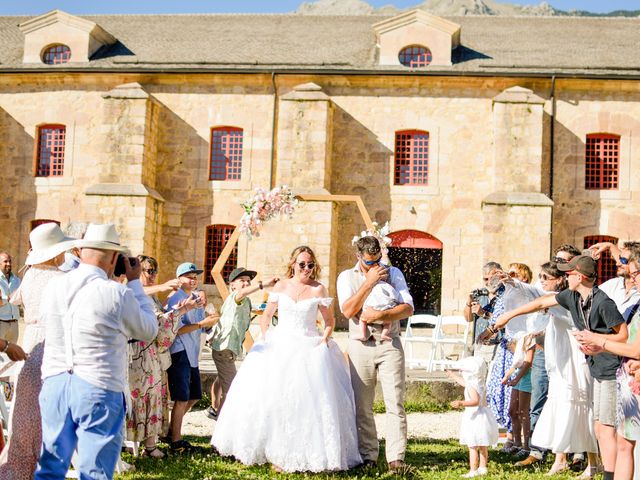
point(101, 237)
point(47, 242)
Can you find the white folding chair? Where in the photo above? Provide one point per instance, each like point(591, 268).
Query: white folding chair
point(443, 336)
point(409, 338)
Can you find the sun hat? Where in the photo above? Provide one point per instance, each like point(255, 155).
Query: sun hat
point(187, 267)
point(239, 272)
point(47, 242)
point(101, 237)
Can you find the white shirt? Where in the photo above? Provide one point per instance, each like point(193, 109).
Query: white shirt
point(7, 287)
point(104, 316)
point(624, 300)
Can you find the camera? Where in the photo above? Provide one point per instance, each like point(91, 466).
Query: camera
point(120, 268)
point(479, 292)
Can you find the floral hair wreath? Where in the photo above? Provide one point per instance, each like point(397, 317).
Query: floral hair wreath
point(378, 232)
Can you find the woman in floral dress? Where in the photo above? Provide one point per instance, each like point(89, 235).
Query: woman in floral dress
point(20, 456)
point(628, 415)
point(148, 416)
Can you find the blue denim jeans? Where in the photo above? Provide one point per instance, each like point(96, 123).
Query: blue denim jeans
point(539, 390)
point(77, 414)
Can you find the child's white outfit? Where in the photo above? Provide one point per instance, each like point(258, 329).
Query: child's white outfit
point(478, 427)
point(382, 297)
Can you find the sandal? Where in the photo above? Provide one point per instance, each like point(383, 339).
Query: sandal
point(153, 452)
point(181, 446)
point(557, 468)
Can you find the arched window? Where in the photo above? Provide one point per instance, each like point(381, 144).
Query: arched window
point(411, 166)
point(606, 264)
point(50, 153)
point(602, 161)
point(217, 237)
point(56, 54)
point(226, 153)
point(415, 56)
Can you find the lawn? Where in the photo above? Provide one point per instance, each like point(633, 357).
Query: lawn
point(430, 459)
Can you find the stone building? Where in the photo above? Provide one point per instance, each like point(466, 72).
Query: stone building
point(478, 138)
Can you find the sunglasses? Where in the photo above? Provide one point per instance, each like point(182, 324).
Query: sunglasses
point(623, 260)
point(150, 271)
point(368, 263)
point(560, 260)
point(544, 277)
point(309, 265)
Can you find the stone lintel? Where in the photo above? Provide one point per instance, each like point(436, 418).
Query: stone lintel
point(518, 95)
point(514, 199)
point(306, 92)
point(127, 90)
point(123, 190)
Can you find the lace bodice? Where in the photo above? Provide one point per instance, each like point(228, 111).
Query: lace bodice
point(298, 317)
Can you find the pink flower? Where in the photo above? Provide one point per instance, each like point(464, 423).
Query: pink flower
point(135, 393)
point(153, 420)
point(151, 379)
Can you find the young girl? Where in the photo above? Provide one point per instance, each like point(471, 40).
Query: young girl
point(479, 428)
point(521, 394)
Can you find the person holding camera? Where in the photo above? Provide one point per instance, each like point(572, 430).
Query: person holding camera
point(88, 320)
point(478, 310)
point(184, 375)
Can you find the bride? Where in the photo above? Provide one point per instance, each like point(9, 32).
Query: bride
point(291, 403)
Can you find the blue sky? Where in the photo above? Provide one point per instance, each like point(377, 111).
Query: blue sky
point(34, 7)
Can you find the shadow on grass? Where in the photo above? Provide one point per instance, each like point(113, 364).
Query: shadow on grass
point(429, 459)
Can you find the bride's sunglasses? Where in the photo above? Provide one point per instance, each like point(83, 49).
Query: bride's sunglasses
point(309, 265)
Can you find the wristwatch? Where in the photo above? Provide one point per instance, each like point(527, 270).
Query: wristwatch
point(260, 285)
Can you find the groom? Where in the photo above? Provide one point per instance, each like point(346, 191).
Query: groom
point(373, 357)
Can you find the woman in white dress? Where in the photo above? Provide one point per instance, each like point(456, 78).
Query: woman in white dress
point(291, 403)
point(566, 422)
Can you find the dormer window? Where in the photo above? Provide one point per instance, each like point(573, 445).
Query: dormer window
point(56, 54)
point(415, 56)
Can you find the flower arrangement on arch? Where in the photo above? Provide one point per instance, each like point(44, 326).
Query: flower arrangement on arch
point(264, 206)
point(379, 232)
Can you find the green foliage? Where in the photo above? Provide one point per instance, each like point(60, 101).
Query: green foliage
point(428, 459)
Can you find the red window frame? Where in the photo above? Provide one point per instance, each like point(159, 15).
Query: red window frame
point(606, 264)
point(411, 163)
point(49, 161)
point(602, 161)
point(225, 155)
point(56, 54)
point(415, 56)
point(216, 238)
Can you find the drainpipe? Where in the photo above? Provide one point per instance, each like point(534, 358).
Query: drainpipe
point(552, 156)
point(274, 135)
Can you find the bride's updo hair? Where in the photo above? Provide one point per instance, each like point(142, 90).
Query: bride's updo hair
point(297, 251)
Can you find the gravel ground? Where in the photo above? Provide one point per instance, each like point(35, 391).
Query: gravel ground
point(420, 425)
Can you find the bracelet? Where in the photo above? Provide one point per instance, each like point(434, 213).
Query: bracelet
point(603, 343)
point(260, 285)
point(468, 304)
point(6, 346)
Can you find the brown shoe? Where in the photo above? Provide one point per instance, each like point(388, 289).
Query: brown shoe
point(397, 466)
point(530, 460)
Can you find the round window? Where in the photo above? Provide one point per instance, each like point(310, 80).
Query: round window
point(415, 56)
point(56, 54)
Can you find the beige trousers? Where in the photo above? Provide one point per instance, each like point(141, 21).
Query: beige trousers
point(368, 361)
point(9, 331)
point(225, 361)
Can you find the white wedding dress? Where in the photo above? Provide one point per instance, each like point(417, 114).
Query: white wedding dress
point(291, 403)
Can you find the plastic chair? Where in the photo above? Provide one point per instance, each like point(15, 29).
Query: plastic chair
point(409, 338)
point(442, 338)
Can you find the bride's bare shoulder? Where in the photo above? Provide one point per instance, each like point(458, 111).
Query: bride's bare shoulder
point(319, 288)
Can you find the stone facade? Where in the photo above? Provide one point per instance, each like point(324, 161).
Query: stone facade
point(138, 148)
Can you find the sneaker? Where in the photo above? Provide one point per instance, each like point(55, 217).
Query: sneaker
point(521, 453)
point(481, 471)
point(530, 460)
point(211, 413)
point(470, 474)
point(507, 447)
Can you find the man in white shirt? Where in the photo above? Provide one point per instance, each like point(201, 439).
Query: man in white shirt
point(620, 289)
point(376, 356)
point(9, 314)
point(89, 319)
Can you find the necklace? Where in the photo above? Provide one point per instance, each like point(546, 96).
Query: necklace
point(301, 291)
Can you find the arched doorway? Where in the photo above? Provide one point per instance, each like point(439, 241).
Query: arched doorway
point(419, 256)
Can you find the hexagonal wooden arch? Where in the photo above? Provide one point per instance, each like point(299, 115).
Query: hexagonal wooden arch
point(216, 271)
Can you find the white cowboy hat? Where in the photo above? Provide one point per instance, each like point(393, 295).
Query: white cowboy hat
point(101, 237)
point(47, 242)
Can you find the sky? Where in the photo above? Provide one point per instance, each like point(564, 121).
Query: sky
point(35, 7)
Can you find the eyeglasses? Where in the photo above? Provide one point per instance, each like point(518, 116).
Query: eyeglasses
point(560, 260)
point(623, 260)
point(150, 271)
point(544, 277)
point(309, 266)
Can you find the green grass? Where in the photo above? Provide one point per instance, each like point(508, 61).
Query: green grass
point(429, 459)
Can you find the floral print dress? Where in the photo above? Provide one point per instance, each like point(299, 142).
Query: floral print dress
point(148, 415)
point(628, 406)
